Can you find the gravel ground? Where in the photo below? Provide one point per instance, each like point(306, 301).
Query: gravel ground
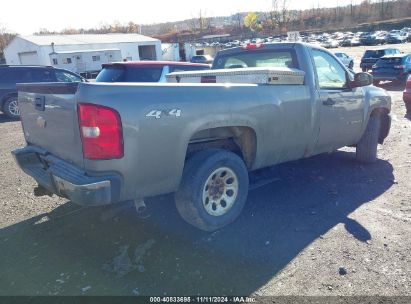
point(325, 226)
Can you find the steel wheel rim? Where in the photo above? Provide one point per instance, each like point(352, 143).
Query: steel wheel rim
point(14, 108)
point(220, 191)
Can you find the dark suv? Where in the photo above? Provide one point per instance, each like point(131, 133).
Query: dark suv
point(394, 68)
point(10, 75)
point(370, 57)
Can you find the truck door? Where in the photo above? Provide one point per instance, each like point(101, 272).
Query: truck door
point(341, 107)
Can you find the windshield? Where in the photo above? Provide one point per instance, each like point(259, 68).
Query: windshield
point(130, 74)
point(265, 58)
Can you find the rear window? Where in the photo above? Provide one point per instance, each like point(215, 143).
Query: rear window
point(374, 54)
point(130, 74)
point(264, 58)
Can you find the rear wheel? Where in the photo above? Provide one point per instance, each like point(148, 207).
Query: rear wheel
point(367, 146)
point(10, 108)
point(213, 189)
point(408, 106)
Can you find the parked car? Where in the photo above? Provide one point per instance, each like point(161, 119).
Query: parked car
point(330, 43)
point(202, 59)
point(374, 39)
point(406, 95)
point(392, 67)
point(10, 75)
point(351, 41)
point(400, 37)
point(345, 59)
point(370, 57)
point(133, 141)
point(144, 71)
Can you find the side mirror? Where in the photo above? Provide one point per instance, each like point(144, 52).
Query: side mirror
point(362, 80)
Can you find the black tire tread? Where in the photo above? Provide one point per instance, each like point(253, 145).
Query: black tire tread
point(367, 146)
point(185, 195)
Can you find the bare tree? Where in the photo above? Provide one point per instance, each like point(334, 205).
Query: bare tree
point(5, 39)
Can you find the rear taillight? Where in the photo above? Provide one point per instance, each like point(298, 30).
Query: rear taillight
point(101, 132)
point(399, 66)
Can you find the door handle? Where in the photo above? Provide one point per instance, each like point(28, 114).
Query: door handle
point(329, 102)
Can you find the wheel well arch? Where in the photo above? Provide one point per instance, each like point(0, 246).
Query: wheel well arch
point(379, 112)
point(241, 140)
point(383, 114)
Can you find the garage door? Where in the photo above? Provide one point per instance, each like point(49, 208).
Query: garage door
point(29, 58)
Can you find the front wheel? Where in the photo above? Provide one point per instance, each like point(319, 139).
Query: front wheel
point(367, 146)
point(213, 189)
point(11, 108)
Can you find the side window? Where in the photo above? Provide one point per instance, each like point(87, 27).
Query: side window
point(13, 75)
point(330, 73)
point(63, 76)
point(40, 75)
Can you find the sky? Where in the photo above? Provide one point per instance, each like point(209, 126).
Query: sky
point(28, 16)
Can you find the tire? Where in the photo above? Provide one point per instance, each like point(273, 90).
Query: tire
point(213, 189)
point(367, 146)
point(10, 108)
point(351, 65)
point(408, 107)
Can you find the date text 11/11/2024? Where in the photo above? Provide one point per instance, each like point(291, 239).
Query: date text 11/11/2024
point(203, 299)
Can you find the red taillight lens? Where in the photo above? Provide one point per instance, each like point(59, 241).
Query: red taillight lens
point(252, 46)
point(399, 66)
point(101, 132)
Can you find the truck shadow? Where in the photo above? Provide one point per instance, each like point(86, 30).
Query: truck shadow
point(108, 251)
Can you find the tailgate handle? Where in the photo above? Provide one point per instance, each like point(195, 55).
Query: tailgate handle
point(40, 103)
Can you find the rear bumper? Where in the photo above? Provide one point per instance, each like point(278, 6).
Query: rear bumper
point(392, 77)
point(67, 180)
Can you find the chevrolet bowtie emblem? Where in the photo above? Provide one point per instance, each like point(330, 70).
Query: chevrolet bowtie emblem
point(41, 122)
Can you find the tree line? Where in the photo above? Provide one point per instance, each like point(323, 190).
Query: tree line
point(278, 20)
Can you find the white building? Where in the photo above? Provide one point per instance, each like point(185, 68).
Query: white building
point(81, 53)
point(178, 51)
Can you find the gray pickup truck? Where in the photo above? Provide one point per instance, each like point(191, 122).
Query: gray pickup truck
point(103, 143)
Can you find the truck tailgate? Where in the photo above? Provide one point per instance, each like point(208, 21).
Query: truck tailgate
point(49, 119)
